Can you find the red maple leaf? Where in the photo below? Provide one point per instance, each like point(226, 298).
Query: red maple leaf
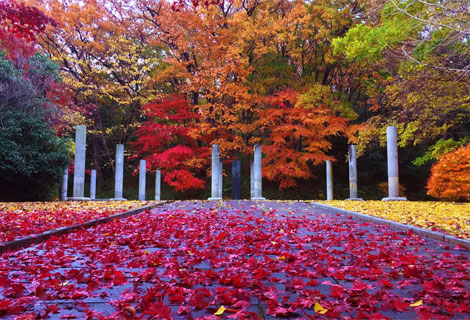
point(400, 305)
point(337, 291)
point(159, 309)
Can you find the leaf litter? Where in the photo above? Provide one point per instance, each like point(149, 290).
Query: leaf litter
point(140, 267)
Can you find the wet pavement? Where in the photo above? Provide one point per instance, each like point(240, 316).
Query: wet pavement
point(263, 259)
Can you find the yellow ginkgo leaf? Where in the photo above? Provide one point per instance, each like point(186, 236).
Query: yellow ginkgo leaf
point(448, 217)
point(417, 303)
point(319, 309)
point(63, 284)
point(281, 258)
point(219, 311)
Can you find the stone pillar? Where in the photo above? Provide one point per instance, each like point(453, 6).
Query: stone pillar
point(93, 185)
point(64, 186)
point(392, 165)
point(352, 173)
point(329, 180)
point(215, 173)
point(158, 184)
point(119, 174)
point(221, 179)
point(251, 180)
point(79, 164)
point(236, 174)
point(142, 168)
point(257, 174)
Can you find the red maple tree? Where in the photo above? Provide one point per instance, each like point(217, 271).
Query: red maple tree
point(19, 26)
point(168, 142)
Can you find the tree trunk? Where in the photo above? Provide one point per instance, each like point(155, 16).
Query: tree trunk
point(99, 128)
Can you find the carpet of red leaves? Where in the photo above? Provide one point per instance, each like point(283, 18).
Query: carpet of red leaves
point(273, 260)
point(20, 219)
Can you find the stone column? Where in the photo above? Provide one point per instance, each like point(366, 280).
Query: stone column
point(142, 165)
point(392, 165)
point(158, 184)
point(93, 185)
point(119, 174)
point(64, 186)
point(79, 164)
point(215, 173)
point(251, 180)
point(257, 174)
point(221, 179)
point(352, 173)
point(236, 188)
point(329, 180)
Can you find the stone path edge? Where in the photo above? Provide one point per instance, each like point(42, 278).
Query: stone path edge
point(439, 236)
point(40, 237)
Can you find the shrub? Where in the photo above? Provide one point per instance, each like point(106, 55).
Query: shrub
point(32, 159)
point(450, 177)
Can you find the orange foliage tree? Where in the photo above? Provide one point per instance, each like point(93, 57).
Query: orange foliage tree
point(297, 129)
point(450, 177)
point(236, 61)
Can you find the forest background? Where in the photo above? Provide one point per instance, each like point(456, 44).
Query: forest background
point(302, 78)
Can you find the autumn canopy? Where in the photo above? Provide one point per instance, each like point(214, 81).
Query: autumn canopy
point(304, 79)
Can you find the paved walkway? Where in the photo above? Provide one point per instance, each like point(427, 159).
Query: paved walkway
point(257, 259)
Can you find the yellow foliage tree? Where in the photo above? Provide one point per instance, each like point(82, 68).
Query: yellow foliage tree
point(105, 59)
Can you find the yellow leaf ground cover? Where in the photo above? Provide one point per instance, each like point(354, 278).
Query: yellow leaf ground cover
point(451, 218)
point(19, 219)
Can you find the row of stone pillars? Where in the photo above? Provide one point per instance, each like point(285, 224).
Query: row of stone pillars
point(255, 175)
point(256, 178)
point(352, 176)
point(392, 166)
point(142, 179)
point(79, 173)
point(216, 180)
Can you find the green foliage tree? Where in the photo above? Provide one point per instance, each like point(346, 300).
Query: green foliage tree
point(440, 148)
point(423, 53)
point(418, 60)
point(32, 156)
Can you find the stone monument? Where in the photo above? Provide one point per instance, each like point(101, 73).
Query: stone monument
point(93, 185)
point(158, 184)
point(79, 164)
point(257, 174)
point(353, 173)
point(236, 175)
point(142, 168)
point(64, 185)
point(119, 173)
point(392, 166)
point(215, 174)
point(329, 180)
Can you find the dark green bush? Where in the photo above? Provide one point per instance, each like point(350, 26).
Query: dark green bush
point(32, 159)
